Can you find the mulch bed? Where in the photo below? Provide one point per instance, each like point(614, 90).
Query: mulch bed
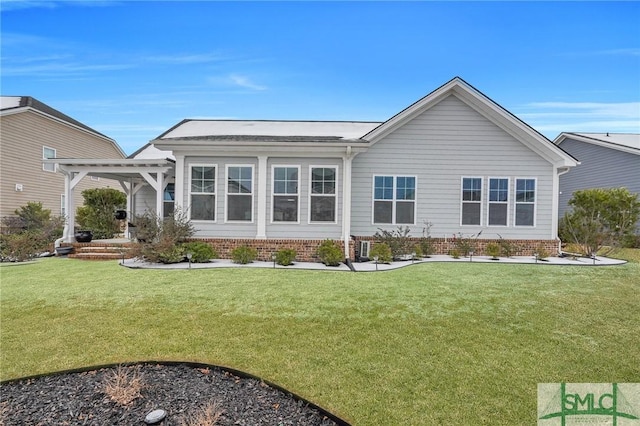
point(184, 391)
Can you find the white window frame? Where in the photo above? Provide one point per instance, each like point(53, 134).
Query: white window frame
point(335, 193)
point(535, 201)
point(274, 194)
point(394, 200)
point(214, 193)
point(49, 167)
point(226, 193)
point(489, 202)
point(63, 205)
point(462, 201)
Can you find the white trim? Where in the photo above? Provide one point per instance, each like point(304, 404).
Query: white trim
point(489, 202)
point(393, 200)
point(273, 193)
point(44, 157)
point(226, 193)
point(214, 193)
point(482, 193)
point(63, 205)
point(535, 202)
point(335, 193)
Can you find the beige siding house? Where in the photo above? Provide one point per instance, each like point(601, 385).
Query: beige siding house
point(31, 131)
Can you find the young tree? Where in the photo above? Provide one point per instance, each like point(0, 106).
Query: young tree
point(98, 212)
point(600, 217)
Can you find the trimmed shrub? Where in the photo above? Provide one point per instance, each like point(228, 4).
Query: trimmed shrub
point(97, 214)
point(285, 257)
point(200, 252)
point(542, 252)
point(493, 250)
point(243, 255)
point(382, 252)
point(330, 253)
point(398, 240)
point(162, 238)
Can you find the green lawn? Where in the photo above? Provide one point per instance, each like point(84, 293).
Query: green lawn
point(439, 343)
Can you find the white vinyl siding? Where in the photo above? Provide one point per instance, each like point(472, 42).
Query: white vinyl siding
point(471, 203)
point(440, 146)
point(239, 193)
point(48, 153)
point(323, 203)
point(498, 199)
point(525, 202)
point(394, 200)
point(285, 194)
point(202, 192)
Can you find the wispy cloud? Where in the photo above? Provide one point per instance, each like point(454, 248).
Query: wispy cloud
point(246, 82)
point(557, 117)
point(9, 5)
point(185, 59)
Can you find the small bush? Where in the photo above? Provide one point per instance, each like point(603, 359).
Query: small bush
point(330, 253)
point(398, 240)
point(493, 250)
point(382, 252)
point(124, 384)
point(20, 247)
point(97, 213)
point(207, 416)
point(30, 232)
point(542, 252)
point(455, 253)
point(200, 252)
point(243, 255)
point(417, 249)
point(285, 257)
point(508, 247)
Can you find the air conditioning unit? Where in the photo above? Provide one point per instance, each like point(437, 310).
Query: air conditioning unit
point(365, 246)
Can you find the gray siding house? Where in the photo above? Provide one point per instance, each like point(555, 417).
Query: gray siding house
point(607, 160)
point(454, 158)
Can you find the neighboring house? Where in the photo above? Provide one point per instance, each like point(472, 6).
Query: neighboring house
point(455, 159)
point(31, 132)
point(607, 160)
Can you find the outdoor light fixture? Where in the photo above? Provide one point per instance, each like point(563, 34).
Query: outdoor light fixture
point(413, 256)
point(470, 255)
point(536, 256)
point(273, 257)
point(189, 256)
point(375, 259)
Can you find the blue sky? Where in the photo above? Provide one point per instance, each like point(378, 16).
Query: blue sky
point(133, 69)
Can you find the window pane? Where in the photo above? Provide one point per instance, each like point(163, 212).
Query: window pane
point(323, 209)
point(382, 211)
point(285, 209)
point(471, 213)
point(524, 214)
point(169, 192)
point(323, 180)
point(472, 189)
point(499, 190)
point(383, 187)
point(525, 191)
point(239, 207)
point(239, 180)
point(202, 207)
point(203, 179)
point(404, 212)
point(498, 214)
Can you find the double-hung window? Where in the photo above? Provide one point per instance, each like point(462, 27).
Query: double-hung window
point(285, 193)
point(240, 193)
point(394, 199)
point(202, 192)
point(525, 202)
point(498, 201)
point(471, 201)
point(48, 153)
point(323, 202)
point(169, 199)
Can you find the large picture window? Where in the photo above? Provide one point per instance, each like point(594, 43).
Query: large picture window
point(498, 201)
point(202, 190)
point(285, 193)
point(48, 153)
point(525, 202)
point(240, 193)
point(322, 203)
point(471, 201)
point(394, 199)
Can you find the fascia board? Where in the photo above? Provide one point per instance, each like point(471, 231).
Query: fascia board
point(564, 136)
point(205, 148)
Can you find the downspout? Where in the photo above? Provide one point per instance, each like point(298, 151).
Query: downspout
point(346, 204)
point(559, 171)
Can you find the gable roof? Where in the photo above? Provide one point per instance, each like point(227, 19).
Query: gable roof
point(487, 108)
point(626, 142)
point(17, 104)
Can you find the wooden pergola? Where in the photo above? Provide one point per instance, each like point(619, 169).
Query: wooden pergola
point(132, 174)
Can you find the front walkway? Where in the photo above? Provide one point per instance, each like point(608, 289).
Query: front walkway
point(371, 266)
